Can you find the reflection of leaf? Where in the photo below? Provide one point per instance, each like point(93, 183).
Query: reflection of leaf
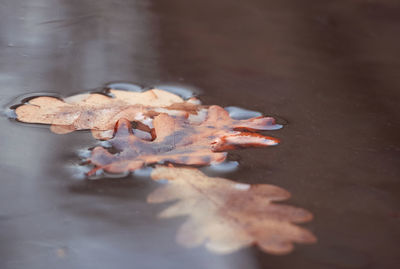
point(181, 142)
point(226, 216)
point(99, 112)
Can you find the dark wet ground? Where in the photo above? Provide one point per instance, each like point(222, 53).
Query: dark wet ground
point(330, 68)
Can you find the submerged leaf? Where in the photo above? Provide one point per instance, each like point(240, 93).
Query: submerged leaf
point(225, 216)
point(179, 141)
point(99, 113)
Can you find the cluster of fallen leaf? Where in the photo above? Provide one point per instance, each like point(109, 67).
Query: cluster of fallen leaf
point(159, 127)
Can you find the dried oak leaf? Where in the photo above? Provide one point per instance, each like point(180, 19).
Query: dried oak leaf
point(99, 112)
point(181, 142)
point(226, 216)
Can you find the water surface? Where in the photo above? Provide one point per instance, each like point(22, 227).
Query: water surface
point(329, 69)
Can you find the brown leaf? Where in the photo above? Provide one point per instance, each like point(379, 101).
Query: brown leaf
point(225, 216)
point(99, 113)
point(181, 142)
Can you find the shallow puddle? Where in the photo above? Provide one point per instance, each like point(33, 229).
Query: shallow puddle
point(326, 69)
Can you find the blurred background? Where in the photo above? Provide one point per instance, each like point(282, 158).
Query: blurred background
point(329, 69)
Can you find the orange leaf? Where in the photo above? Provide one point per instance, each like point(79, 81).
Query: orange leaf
point(99, 112)
point(225, 216)
point(181, 142)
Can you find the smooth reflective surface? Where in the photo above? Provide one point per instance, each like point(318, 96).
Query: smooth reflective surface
point(329, 69)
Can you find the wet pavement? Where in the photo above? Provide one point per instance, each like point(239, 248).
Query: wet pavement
point(330, 70)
